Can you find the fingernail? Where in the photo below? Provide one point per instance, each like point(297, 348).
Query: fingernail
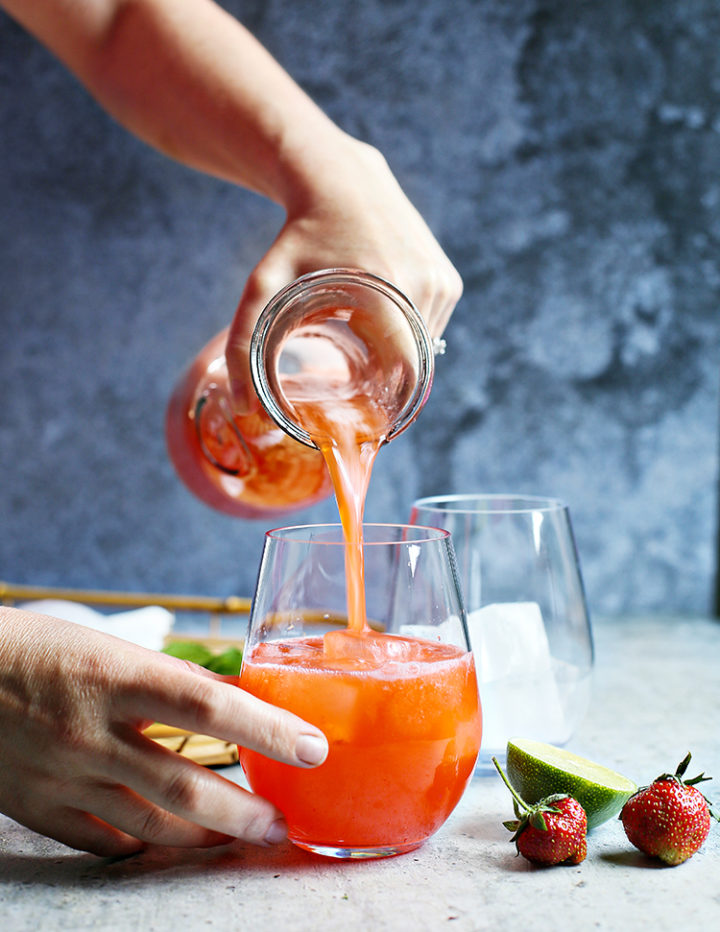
point(311, 749)
point(277, 832)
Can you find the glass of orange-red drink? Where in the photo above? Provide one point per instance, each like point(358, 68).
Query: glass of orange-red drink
point(387, 675)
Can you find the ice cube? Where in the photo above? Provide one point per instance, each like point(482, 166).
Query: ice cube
point(508, 638)
point(345, 711)
point(518, 690)
point(447, 632)
point(367, 647)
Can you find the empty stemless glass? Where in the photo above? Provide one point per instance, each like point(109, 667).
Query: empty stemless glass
point(398, 702)
point(527, 614)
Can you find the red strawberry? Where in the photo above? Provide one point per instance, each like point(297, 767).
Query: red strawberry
point(552, 831)
point(669, 819)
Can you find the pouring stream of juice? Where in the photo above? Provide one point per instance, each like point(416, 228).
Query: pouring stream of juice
point(349, 432)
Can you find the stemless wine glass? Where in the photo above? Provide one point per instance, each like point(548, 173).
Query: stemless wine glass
point(527, 614)
point(397, 701)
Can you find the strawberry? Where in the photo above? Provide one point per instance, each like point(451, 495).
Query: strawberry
point(669, 819)
point(552, 831)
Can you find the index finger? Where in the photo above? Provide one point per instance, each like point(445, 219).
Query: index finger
point(196, 702)
point(261, 285)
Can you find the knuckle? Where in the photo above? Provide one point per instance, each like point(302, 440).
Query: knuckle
point(430, 283)
point(269, 730)
point(257, 819)
point(75, 736)
point(273, 732)
point(202, 702)
point(260, 285)
point(183, 792)
point(155, 824)
point(456, 286)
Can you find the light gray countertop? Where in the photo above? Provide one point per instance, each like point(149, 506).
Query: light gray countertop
point(656, 695)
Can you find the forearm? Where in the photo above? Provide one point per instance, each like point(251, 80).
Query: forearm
point(189, 79)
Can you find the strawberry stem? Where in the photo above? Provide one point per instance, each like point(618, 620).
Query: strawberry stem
point(518, 799)
point(679, 777)
point(683, 766)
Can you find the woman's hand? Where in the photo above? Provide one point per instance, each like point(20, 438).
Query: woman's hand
point(345, 209)
point(75, 766)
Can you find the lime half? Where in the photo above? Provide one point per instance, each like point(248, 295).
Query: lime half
point(537, 770)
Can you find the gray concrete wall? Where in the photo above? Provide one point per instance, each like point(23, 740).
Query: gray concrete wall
point(567, 155)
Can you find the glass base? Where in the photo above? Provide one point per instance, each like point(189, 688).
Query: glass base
point(357, 854)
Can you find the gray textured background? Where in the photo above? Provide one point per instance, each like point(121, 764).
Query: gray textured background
point(566, 154)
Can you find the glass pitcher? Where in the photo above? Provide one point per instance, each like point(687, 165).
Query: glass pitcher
point(325, 332)
point(244, 465)
point(338, 335)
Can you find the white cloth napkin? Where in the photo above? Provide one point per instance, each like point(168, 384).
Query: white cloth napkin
point(147, 626)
